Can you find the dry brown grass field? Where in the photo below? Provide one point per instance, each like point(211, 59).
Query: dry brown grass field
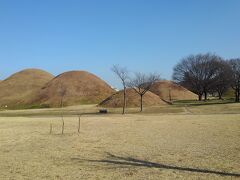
point(168, 142)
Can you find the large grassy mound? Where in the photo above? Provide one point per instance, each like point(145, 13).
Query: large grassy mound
point(169, 91)
point(20, 88)
point(80, 87)
point(133, 100)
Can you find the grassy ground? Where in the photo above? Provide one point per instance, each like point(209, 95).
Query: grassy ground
point(172, 142)
point(179, 107)
point(212, 101)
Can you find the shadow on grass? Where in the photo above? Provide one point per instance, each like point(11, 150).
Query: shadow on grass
point(128, 161)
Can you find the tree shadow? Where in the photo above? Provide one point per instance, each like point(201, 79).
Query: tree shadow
point(128, 161)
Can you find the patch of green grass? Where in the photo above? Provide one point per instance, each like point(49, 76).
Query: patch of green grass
point(200, 103)
point(230, 93)
point(21, 106)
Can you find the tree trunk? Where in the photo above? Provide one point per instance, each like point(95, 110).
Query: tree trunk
point(236, 95)
point(61, 102)
point(205, 95)
point(219, 95)
point(124, 100)
point(141, 103)
point(199, 97)
point(237, 92)
point(170, 96)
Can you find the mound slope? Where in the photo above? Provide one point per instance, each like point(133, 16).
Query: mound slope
point(21, 87)
point(133, 100)
point(169, 91)
point(78, 87)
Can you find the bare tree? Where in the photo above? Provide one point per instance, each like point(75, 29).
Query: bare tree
point(62, 92)
point(170, 95)
point(142, 84)
point(197, 73)
point(123, 74)
point(223, 78)
point(235, 82)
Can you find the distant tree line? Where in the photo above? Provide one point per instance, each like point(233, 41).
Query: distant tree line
point(208, 73)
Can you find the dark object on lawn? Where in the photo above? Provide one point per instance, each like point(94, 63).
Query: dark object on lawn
point(103, 111)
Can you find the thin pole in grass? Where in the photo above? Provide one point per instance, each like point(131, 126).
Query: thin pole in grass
point(50, 128)
point(79, 123)
point(62, 124)
point(62, 92)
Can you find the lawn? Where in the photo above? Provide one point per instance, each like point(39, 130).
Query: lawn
point(197, 143)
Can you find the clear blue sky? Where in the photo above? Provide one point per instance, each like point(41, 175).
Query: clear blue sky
point(92, 35)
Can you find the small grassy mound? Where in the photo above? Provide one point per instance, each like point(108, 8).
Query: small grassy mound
point(169, 91)
point(133, 100)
